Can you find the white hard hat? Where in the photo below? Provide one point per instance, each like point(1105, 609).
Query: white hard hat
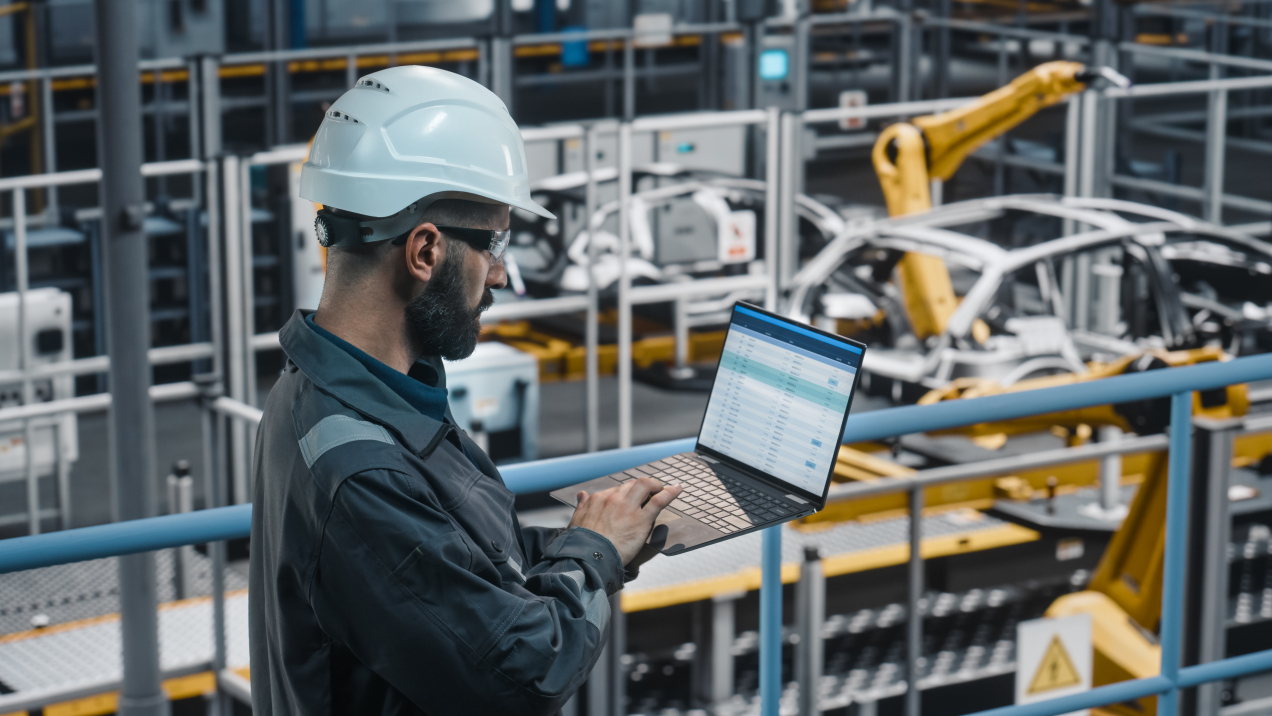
point(406, 136)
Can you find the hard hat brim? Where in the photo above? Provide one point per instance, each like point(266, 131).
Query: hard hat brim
point(382, 196)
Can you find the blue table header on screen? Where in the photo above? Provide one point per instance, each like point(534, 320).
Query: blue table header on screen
point(798, 329)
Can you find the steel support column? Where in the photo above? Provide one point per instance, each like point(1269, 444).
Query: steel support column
point(127, 294)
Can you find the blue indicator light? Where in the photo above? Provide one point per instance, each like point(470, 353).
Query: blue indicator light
point(774, 64)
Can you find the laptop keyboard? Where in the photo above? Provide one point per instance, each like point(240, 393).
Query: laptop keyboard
point(725, 504)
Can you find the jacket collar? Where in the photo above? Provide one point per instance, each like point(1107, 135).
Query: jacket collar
point(337, 373)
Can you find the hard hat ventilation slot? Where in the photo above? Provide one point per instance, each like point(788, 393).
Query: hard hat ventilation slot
point(368, 83)
point(339, 116)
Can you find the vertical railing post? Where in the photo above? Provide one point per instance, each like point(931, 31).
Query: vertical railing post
point(1176, 530)
point(598, 683)
point(235, 334)
point(810, 602)
point(914, 610)
point(22, 277)
point(592, 367)
point(617, 647)
point(723, 628)
point(771, 622)
point(772, 202)
point(624, 286)
point(214, 496)
point(210, 111)
point(1208, 579)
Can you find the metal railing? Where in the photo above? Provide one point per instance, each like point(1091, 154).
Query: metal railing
point(223, 523)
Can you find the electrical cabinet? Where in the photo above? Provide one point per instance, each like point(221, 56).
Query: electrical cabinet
point(49, 443)
point(494, 395)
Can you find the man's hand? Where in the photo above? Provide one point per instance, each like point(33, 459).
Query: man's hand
point(624, 514)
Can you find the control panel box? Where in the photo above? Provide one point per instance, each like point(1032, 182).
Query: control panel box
point(47, 331)
point(494, 395)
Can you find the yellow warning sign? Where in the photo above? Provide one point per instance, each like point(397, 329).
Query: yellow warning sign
point(1056, 670)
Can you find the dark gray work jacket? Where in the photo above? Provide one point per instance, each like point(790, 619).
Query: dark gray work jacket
point(390, 575)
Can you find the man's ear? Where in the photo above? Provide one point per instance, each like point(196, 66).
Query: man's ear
point(425, 251)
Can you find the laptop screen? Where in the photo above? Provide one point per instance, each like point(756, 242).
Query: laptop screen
point(780, 398)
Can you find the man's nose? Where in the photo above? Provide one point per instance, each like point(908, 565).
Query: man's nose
point(497, 276)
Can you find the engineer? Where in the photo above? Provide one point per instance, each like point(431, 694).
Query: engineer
point(389, 573)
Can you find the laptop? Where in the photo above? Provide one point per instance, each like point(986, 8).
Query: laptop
point(769, 437)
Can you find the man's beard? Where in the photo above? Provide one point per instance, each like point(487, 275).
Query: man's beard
point(440, 320)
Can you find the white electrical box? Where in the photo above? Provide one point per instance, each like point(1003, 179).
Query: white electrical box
point(47, 332)
point(494, 395)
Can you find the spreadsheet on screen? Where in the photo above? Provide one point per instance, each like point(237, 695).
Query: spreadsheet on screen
point(779, 399)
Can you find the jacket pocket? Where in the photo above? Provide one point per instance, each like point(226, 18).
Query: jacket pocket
point(481, 505)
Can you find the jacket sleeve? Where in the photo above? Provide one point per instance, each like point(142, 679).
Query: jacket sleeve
point(416, 600)
point(535, 541)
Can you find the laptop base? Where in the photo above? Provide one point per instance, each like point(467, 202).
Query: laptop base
point(683, 531)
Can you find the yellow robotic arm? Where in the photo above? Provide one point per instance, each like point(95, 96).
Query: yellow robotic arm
point(907, 156)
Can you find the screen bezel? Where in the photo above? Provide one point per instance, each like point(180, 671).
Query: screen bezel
point(819, 500)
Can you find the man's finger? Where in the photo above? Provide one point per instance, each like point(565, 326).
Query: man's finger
point(579, 498)
point(641, 489)
point(664, 498)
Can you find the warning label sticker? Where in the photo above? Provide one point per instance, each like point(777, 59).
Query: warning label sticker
point(1053, 658)
point(1055, 671)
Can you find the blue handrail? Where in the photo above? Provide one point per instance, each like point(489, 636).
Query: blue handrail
point(234, 522)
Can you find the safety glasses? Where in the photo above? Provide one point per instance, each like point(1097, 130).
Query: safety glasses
point(496, 242)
